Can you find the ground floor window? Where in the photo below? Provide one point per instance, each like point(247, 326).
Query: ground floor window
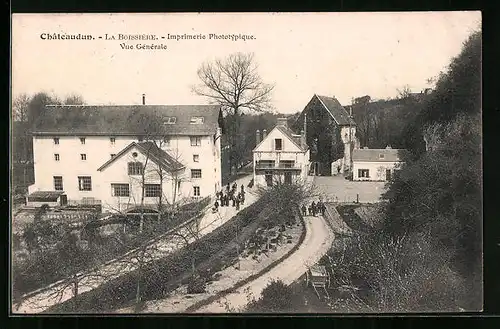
point(152, 190)
point(58, 183)
point(364, 173)
point(85, 183)
point(288, 178)
point(120, 189)
point(388, 174)
point(196, 190)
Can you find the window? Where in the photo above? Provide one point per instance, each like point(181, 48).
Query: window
point(56, 140)
point(364, 173)
point(85, 183)
point(152, 190)
point(196, 158)
point(170, 120)
point(381, 156)
point(195, 173)
point(82, 140)
point(140, 138)
point(112, 155)
point(58, 183)
point(120, 189)
point(56, 157)
point(112, 140)
point(135, 168)
point(196, 190)
point(195, 141)
point(197, 120)
point(287, 163)
point(83, 156)
point(278, 144)
point(265, 163)
point(166, 141)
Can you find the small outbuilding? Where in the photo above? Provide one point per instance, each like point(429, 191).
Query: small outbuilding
point(376, 164)
point(50, 198)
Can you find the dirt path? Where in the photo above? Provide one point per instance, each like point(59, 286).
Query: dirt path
point(58, 293)
point(318, 240)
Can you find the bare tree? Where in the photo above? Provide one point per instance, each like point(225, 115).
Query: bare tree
point(235, 84)
point(20, 106)
point(74, 99)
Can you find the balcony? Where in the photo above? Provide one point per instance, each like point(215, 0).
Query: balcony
point(279, 166)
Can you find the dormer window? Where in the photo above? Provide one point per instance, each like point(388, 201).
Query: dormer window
point(197, 120)
point(381, 156)
point(112, 140)
point(56, 140)
point(82, 140)
point(170, 120)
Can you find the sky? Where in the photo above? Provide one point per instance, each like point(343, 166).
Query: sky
point(344, 55)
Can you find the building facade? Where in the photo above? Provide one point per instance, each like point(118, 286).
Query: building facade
point(88, 152)
point(330, 133)
point(280, 156)
point(376, 164)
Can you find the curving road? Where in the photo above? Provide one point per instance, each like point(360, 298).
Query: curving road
point(318, 239)
point(60, 292)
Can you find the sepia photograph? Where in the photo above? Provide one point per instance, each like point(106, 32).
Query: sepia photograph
point(247, 163)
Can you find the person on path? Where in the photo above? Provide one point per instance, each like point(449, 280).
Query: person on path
point(242, 197)
point(304, 210)
point(234, 200)
point(323, 209)
point(237, 204)
point(242, 188)
point(310, 210)
point(216, 206)
point(313, 207)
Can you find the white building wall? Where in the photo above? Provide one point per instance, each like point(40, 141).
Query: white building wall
point(377, 170)
point(265, 151)
point(98, 150)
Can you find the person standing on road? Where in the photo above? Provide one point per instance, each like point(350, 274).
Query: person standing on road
point(237, 203)
point(242, 197)
point(304, 210)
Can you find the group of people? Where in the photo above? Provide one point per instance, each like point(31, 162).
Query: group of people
point(231, 195)
point(314, 209)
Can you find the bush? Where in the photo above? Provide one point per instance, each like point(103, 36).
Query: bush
point(277, 297)
point(197, 285)
point(409, 274)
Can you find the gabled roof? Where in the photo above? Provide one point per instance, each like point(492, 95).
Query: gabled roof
point(374, 155)
point(336, 111)
point(125, 120)
point(288, 133)
point(155, 154)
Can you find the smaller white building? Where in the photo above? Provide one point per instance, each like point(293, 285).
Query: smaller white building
point(376, 164)
point(280, 156)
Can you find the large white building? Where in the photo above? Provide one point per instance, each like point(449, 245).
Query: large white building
point(109, 154)
point(376, 164)
point(280, 156)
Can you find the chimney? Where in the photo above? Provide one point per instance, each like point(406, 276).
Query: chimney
point(143, 99)
point(257, 137)
point(283, 122)
point(264, 133)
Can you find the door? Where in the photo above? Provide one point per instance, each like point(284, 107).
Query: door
point(64, 200)
point(269, 179)
point(288, 178)
point(388, 174)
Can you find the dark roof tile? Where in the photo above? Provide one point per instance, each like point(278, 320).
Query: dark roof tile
point(337, 111)
point(127, 120)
